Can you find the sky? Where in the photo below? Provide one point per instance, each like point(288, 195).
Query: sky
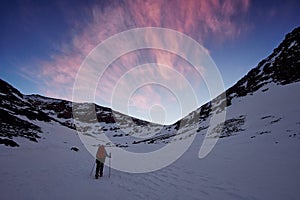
point(43, 45)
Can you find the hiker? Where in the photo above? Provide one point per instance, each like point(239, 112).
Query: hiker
point(100, 160)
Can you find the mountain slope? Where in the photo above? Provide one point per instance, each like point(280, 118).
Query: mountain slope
point(21, 115)
point(13, 110)
point(280, 68)
point(277, 70)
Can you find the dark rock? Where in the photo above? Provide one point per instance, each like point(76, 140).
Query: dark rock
point(74, 149)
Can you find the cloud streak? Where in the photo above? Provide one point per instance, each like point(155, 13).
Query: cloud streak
point(202, 20)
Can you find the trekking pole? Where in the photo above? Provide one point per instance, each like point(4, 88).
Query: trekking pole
point(109, 165)
point(92, 169)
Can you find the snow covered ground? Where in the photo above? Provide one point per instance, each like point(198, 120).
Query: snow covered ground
point(259, 162)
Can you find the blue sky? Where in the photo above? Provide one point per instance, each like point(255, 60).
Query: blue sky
point(43, 43)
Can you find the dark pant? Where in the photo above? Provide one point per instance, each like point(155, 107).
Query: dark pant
point(99, 167)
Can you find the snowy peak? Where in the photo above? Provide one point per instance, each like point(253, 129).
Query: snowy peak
point(281, 67)
point(283, 64)
point(8, 90)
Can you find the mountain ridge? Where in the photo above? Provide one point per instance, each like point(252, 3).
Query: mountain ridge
point(19, 111)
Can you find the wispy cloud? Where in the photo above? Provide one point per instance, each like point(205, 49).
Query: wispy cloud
point(217, 19)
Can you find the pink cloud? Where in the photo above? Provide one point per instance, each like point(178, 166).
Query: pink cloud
point(201, 20)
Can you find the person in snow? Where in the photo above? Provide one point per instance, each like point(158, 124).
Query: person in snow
point(100, 160)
